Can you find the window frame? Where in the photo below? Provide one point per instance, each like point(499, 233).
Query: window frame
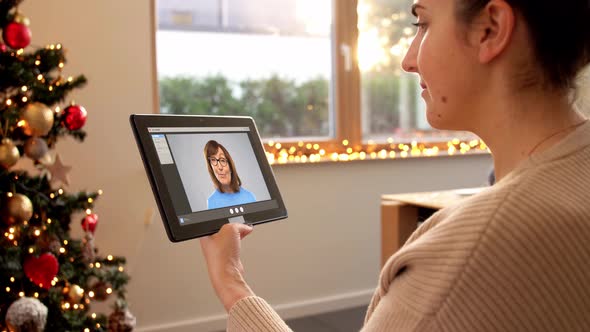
point(345, 108)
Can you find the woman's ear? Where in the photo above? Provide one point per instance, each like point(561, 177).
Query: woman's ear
point(496, 29)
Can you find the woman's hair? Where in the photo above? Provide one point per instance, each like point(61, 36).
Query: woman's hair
point(559, 30)
point(210, 150)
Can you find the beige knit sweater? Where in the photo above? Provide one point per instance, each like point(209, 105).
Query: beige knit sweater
point(515, 257)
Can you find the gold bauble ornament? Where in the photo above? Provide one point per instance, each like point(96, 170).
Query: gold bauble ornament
point(16, 209)
point(38, 119)
point(9, 154)
point(36, 148)
point(75, 294)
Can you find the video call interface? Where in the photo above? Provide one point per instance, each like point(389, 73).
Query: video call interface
point(211, 173)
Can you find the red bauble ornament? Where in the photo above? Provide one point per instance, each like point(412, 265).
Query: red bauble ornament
point(89, 223)
point(74, 117)
point(3, 47)
point(17, 35)
point(41, 270)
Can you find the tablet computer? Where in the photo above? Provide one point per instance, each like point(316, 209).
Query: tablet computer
point(206, 171)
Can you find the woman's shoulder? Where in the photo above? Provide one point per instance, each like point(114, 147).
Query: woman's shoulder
point(214, 194)
point(245, 191)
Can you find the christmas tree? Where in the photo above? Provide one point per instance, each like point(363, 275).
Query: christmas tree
point(48, 280)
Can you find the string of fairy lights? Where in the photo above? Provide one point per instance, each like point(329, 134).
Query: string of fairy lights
point(302, 152)
point(76, 293)
point(40, 77)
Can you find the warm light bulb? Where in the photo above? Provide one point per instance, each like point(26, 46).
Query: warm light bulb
point(109, 290)
point(110, 257)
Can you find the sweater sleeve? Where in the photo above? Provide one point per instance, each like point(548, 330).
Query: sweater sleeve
point(253, 314)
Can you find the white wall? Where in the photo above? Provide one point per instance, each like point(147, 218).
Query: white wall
point(324, 256)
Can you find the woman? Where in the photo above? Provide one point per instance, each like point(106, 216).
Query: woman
point(228, 190)
point(514, 257)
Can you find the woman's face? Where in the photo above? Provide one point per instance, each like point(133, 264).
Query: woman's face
point(221, 170)
point(440, 55)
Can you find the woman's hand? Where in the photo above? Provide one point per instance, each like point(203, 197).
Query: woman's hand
point(222, 254)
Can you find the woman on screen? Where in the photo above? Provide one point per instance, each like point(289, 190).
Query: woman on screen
point(228, 186)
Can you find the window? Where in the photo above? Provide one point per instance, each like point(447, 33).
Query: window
point(316, 75)
point(267, 59)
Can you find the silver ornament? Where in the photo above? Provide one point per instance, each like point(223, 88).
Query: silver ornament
point(121, 320)
point(26, 314)
point(36, 148)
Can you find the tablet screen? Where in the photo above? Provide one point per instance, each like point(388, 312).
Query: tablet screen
point(217, 169)
point(206, 171)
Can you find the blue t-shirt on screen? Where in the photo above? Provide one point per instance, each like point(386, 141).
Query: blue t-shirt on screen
point(219, 199)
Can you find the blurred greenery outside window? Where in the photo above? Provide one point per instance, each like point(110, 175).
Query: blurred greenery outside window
point(305, 70)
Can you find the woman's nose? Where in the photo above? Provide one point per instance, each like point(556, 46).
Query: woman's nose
point(410, 61)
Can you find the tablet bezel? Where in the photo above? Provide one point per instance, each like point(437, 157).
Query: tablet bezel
point(176, 232)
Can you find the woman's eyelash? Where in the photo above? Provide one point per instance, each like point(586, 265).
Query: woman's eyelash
point(421, 26)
